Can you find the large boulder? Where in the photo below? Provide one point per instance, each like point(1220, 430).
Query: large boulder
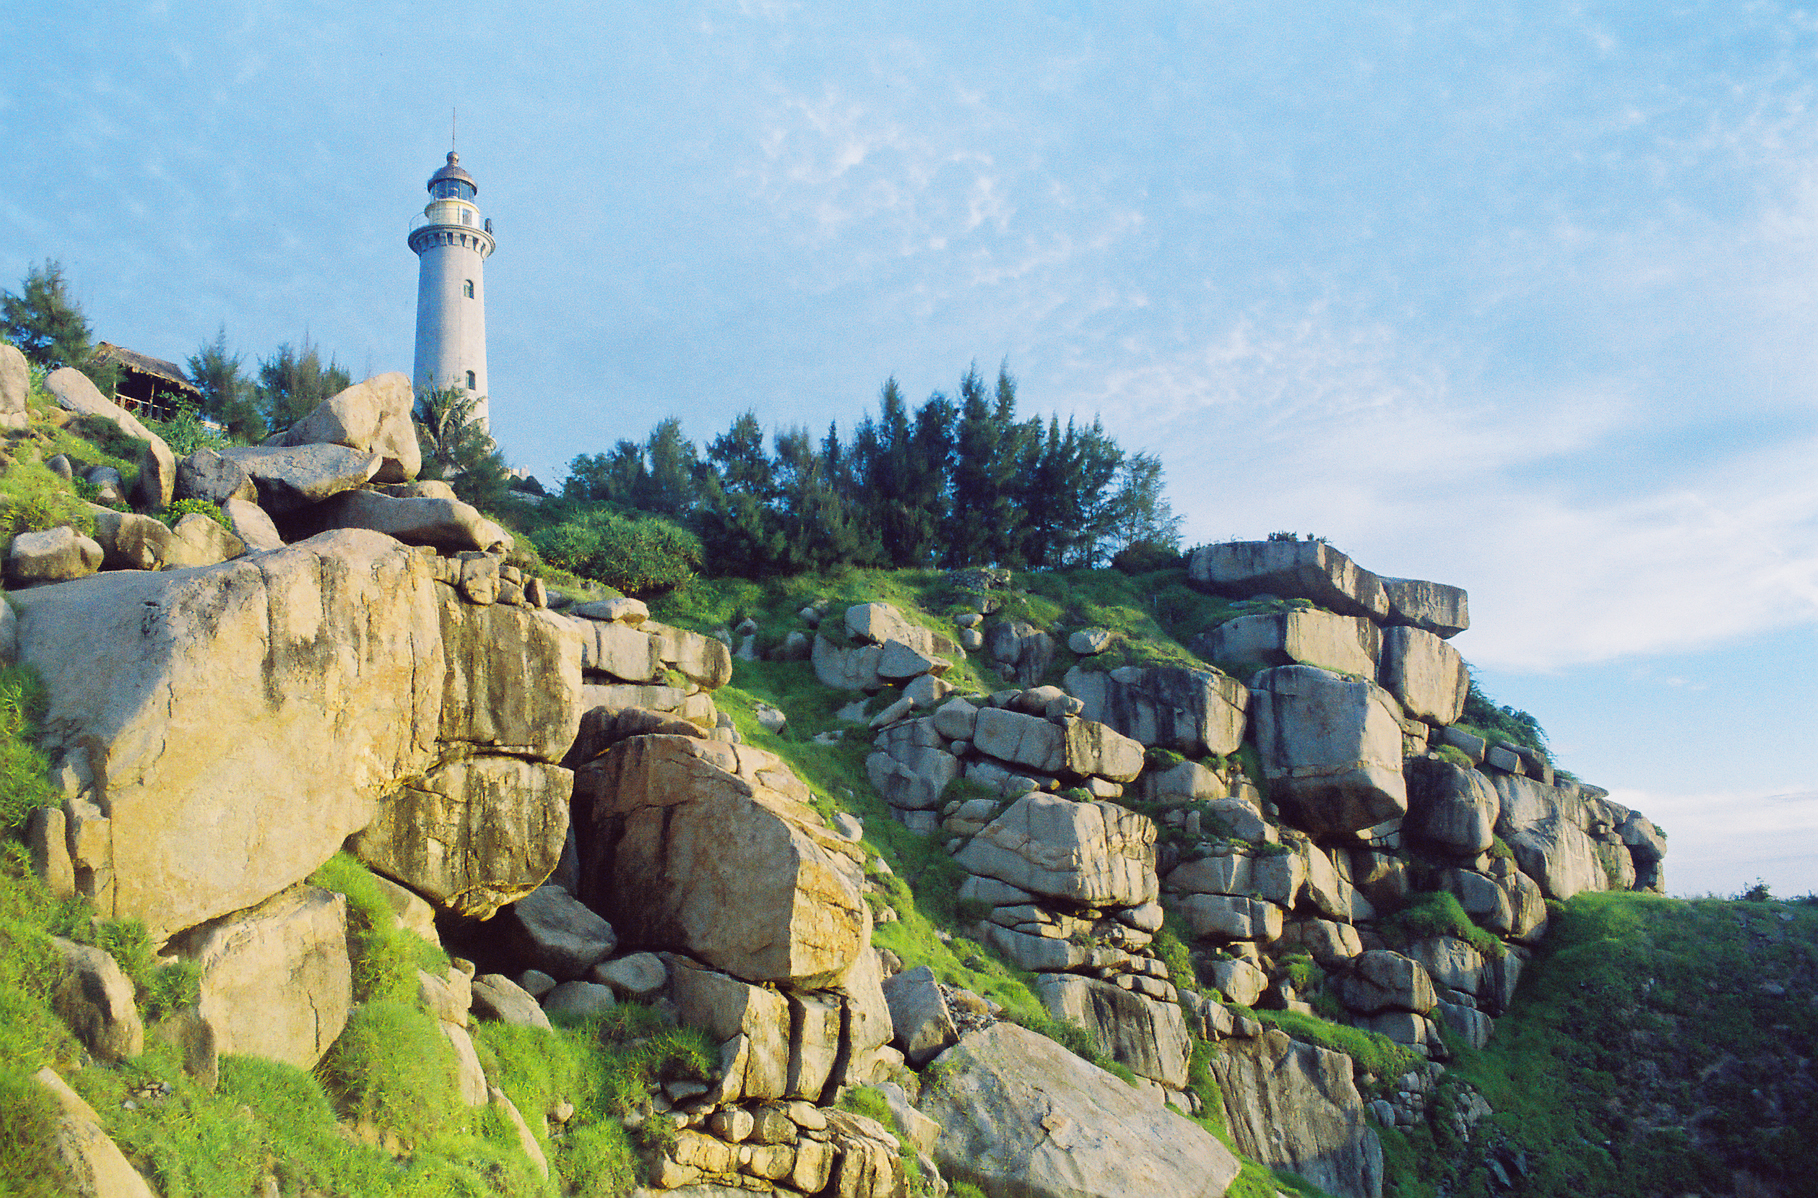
point(373, 416)
point(88, 1163)
point(622, 650)
point(157, 464)
point(550, 931)
point(1022, 648)
point(1330, 747)
point(513, 682)
point(1094, 854)
point(1022, 1115)
point(1545, 826)
point(1195, 712)
point(1425, 673)
point(703, 660)
point(848, 669)
point(448, 524)
point(208, 476)
point(195, 711)
point(1451, 808)
point(53, 555)
point(276, 979)
point(1289, 570)
point(1146, 1036)
point(474, 834)
point(712, 849)
point(1342, 644)
point(1381, 980)
point(15, 385)
point(1293, 1106)
point(919, 1013)
point(290, 479)
point(1432, 606)
point(94, 997)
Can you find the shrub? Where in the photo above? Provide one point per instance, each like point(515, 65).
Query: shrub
point(1145, 557)
point(185, 433)
point(202, 507)
point(639, 556)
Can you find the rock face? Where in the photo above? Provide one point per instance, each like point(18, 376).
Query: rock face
point(276, 980)
point(1425, 673)
point(448, 524)
point(1431, 606)
point(1147, 1037)
point(712, 849)
point(1095, 854)
point(1545, 826)
point(1292, 570)
point(15, 385)
point(294, 478)
point(94, 997)
point(474, 834)
point(1293, 1106)
point(1343, 644)
point(1331, 748)
point(1022, 1115)
point(1194, 712)
point(330, 649)
point(92, 1165)
point(1451, 808)
point(373, 417)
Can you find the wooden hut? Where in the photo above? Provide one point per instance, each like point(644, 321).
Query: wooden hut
point(148, 386)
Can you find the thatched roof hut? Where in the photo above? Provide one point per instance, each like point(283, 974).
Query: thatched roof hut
point(146, 384)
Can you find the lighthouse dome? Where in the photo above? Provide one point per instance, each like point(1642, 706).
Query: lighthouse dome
point(459, 184)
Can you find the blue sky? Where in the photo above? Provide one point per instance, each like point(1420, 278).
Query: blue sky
point(1516, 296)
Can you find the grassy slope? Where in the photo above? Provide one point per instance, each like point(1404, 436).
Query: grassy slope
point(1656, 1047)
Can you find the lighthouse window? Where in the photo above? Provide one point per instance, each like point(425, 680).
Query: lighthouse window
point(471, 381)
point(466, 217)
point(467, 287)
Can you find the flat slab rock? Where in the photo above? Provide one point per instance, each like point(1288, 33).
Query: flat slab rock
point(1022, 1115)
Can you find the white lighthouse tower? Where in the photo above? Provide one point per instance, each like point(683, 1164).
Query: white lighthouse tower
point(452, 243)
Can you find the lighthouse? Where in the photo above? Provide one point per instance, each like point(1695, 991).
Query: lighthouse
point(452, 242)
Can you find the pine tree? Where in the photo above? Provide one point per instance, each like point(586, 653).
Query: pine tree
point(227, 395)
point(983, 523)
point(292, 383)
point(736, 517)
point(45, 323)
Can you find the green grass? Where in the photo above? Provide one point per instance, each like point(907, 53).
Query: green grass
point(1438, 913)
point(386, 956)
point(1380, 1061)
point(184, 507)
point(1668, 1065)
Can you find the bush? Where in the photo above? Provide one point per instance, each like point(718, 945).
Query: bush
point(636, 555)
point(185, 433)
point(1145, 557)
point(201, 507)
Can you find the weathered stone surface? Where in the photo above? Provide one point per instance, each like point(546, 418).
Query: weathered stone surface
point(1544, 826)
point(250, 523)
point(15, 385)
point(1089, 748)
point(551, 931)
point(1332, 944)
point(513, 682)
point(134, 542)
point(1146, 1036)
point(496, 996)
point(1238, 980)
point(206, 475)
point(579, 998)
point(1468, 1023)
point(204, 541)
point(1023, 1115)
point(1450, 962)
point(95, 998)
point(1222, 917)
point(1276, 877)
point(853, 669)
point(620, 649)
point(1020, 739)
point(1190, 711)
point(1451, 808)
point(703, 660)
point(1381, 980)
point(1291, 570)
point(53, 555)
point(178, 700)
point(1329, 890)
point(373, 416)
point(91, 1165)
point(1293, 1106)
point(621, 611)
point(750, 1022)
point(1433, 606)
point(1097, 854)
point(1331, 748)
point(474, 834)
point(712, 849)
point(157, 465)
point(448, 524)
point(1027, 650)
point(1088, 641)
point(290, 479)
point(1342, 644)
point(899, 661)
point(1425, 673)
point(276, 979)
point(639, 976)
point(867, 1013)
point(918, 1012)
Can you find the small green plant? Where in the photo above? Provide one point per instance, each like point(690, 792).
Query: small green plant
point(201, 507)
point(386, 956)
point(1438, 913)
point(185, 432)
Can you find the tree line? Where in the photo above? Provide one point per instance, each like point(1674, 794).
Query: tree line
point(958, 481)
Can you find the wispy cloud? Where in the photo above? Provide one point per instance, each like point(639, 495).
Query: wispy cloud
point(1721, 841)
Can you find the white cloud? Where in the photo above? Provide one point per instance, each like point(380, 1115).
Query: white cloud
point(1721, 841)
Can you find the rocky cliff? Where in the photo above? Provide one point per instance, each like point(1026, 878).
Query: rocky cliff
point(360, 782)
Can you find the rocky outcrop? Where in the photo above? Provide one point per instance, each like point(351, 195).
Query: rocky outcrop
point(1290, 570)
point(276, 979)
point(157, 465)
point(91, 1165)
point(1097, 854)
point(94, 997)
point(1342, 644)
point(1425, 674)
point(290, 479)
point(176, 700)
point(1146, 1036)
point(1020, 1114)
point(1331, 748)
point(712, 849)
point(1451, 808)
point(1190, 711)
point(373, 416)
point(1293, 1106)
